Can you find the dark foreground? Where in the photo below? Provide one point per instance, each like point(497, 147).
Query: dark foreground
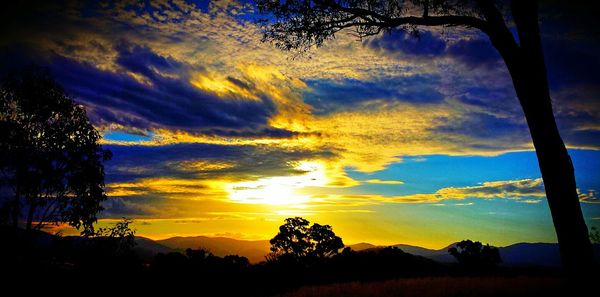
point(43, 263)
point(442, 287)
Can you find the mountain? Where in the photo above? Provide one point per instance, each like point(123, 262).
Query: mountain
point(417, 250)
point(527, 254)
point(254, 250)
point(361, 246)
point(518, 254)
point(147, 248)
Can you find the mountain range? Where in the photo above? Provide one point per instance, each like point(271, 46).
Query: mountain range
point(519, 254)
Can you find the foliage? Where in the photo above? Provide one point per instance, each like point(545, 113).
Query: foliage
point(300, 24)
point(121, 234)
point(297, 239)
point(595, 235)
point(474, 254)
point(49, 154)
point(326, 243)
point(293, 238)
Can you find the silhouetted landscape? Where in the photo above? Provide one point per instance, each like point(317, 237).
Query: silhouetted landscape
point(518, 254)
point(521, 269)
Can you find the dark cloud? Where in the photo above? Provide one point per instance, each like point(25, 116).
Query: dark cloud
point(167, 102)
point(570, 43)
point(493, 98)
point(571, 62)
point(143, 60)
point(474, 53)
point(240, 83)
point(117, 207)
point(333, 95)
point(425, 44)
point(134, 162)
point(149, 206)
point(485, 126)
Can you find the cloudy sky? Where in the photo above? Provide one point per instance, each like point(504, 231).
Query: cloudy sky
point(390, 139)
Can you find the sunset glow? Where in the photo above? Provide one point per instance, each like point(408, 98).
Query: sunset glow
point(279, 190)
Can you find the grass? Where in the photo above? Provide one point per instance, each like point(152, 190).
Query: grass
point(439, 287)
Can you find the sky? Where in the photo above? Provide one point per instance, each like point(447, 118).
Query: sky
point(389, 139)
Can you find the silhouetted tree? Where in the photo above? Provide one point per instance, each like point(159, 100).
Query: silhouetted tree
point(236, 261)
point(475, 255)
point(297, 239)
point(302, 24)
point(326, 243)
point(170, 262)
point(120, 235)
point(49, 154)
point(595, 235)
point(293, 238)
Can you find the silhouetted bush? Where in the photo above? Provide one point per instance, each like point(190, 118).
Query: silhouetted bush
point(475, 256)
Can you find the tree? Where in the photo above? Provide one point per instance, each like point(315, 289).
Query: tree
point(49, 154)
point(121, 236)
point(475, 255)
point(302, 24)
point(293, 238)
point(298, 240)
point(326, 243)
point(595, 235)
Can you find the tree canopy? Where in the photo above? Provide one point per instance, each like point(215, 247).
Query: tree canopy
point(50, 158)
point(475, 254)
point(297, 239)
point(303, 24)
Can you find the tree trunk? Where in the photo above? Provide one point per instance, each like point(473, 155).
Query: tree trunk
point(559, 177)
point(16, 210)
point(31, 213)
point(528, 72)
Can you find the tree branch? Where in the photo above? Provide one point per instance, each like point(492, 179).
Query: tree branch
point(425, 20)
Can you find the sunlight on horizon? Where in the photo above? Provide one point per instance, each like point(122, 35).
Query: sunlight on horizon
point(279, 190)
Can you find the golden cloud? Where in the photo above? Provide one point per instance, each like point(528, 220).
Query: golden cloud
point(384, 182)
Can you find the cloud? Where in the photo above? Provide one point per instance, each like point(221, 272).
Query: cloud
point(164, 103)
point(327, 96)
point(474, 53)
point(171, 74)
point(384, 182)
point(399, 42)
point(590, 197)
point(143, 61)
point(514, 189)
point(577, 110)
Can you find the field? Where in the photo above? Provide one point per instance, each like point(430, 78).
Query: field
point(439, 287)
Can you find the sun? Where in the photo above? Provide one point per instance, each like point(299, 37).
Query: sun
point(280, 190)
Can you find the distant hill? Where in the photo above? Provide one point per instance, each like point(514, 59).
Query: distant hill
point(519, 254)
point(254, 250)
point(147, 248)
point(361, 246)
point(527, 254)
